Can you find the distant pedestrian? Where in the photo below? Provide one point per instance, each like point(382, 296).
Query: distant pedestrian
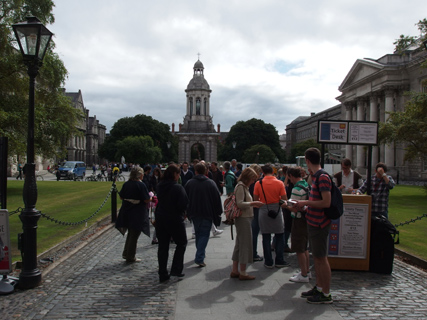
point(133, 215)
point(170, 216)
point(204, 207)
point(19, 171)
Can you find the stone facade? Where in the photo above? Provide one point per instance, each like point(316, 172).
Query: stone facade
point(370, 90)
point(84, 147)
point(305, 128)
point(197, 135)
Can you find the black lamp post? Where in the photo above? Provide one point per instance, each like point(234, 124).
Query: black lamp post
point(33, 39)
point(425, 44)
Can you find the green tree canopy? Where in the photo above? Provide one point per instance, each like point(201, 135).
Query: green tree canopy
point(139, 149)
point(408, 126)
point(140, 125)
point(55, 117)
point(404, 42)
point(299, 148)
point(259, 153)
point(250, 133)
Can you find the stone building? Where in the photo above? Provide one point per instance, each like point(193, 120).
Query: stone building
point(197, 136)
point(84, 147)
point(305, 128)
point(370, 90)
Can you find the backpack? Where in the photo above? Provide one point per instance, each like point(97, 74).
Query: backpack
point(231, 210)
point(336, 209)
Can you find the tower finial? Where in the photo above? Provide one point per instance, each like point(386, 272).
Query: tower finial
point(198, 56)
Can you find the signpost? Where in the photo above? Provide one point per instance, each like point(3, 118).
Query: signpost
point(349, 238)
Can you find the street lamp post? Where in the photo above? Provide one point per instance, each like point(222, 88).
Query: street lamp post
point(33, 39)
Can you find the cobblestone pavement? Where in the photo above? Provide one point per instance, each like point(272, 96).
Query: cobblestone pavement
point(95, 283)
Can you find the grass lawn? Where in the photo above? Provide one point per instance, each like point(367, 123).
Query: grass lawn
point(68, 201)
point(406, 203)
point(71, 201)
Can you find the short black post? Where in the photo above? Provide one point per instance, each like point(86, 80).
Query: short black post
point(114, 202)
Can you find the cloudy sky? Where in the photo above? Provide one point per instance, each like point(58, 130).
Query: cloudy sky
point(269, 59)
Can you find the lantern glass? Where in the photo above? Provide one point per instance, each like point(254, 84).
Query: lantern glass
point(33, 38)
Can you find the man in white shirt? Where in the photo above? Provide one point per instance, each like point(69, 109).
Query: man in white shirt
point(347, 180)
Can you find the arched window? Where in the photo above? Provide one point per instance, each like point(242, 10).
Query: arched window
point(205, 105)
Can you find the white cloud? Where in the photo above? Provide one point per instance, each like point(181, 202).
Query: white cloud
point(268, 59)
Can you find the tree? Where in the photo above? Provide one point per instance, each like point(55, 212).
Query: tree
point(404, 42)
point(55, 117)
point(259, 153)
point(249, 133)
point(409, 126)
point(140, 125)
point(299, 148)
point(139, 149)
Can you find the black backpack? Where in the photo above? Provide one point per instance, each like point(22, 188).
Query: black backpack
point(336, 209)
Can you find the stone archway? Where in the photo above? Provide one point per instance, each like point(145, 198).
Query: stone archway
point(197, 151)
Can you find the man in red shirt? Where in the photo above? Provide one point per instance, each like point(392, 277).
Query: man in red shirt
point(318, 227)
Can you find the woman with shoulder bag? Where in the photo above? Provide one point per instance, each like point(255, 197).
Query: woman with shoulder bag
point(271, 191)
point(243, 251)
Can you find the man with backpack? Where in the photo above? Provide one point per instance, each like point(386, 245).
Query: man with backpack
point(230, 178)
point(318, 227)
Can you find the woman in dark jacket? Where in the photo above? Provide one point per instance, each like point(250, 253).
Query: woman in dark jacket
point(154, 179)
point(170, 222)
point(133, 215)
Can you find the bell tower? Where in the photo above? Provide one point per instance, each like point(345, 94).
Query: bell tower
point(197, 135)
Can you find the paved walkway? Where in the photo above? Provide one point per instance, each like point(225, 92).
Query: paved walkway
point(95, 283)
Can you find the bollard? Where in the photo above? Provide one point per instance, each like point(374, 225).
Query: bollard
point(114, 202)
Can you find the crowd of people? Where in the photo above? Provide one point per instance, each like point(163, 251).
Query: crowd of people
point(287, 205)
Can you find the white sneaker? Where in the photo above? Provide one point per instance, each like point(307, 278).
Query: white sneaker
point(217, 232)
point(299, 278)
point(308, 274)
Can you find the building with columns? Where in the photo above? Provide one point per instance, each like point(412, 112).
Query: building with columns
point(371, 89)
point(197, 136)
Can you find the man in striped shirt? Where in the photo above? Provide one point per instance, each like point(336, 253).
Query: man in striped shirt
point(318, 227)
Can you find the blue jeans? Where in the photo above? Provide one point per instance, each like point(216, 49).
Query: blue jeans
point(202, 229)
point(280, 247)
point(255, 232)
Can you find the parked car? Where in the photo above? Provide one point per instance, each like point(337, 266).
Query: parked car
point(70, 170)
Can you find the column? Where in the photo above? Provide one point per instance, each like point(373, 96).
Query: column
point(360, 160)
point(348, 117)
point(373, 116)
point(389, 148)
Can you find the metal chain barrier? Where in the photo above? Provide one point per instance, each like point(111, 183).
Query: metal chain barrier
point(411, 221)
point(44, 215)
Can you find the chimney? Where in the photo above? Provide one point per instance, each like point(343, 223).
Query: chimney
point(180, 126)
point(312, 114)
point(173, 127)
point(219, 128)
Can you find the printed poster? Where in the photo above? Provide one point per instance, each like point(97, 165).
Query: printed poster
point(5, 257)
point(349, 234)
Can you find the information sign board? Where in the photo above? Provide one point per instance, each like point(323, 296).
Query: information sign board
point(349, 238)
point(5, 256)
point(332, 131)
point(363, 133)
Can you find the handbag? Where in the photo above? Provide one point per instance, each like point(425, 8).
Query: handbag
point(271, 213)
